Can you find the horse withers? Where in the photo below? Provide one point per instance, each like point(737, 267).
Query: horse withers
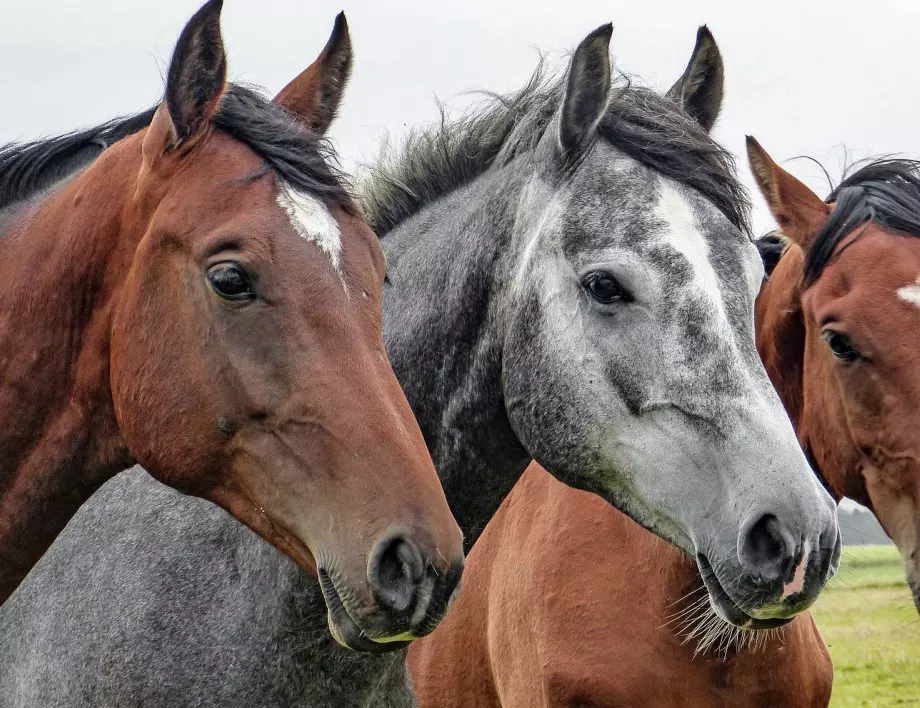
point(205, 299)
point(838, 325)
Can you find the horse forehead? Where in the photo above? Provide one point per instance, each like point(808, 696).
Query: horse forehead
point(718, 266)
point(312, 221)
point(871, 270)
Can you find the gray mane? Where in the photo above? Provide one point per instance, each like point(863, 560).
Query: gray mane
point(644, 125)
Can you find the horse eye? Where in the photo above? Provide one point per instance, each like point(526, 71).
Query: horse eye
point(604, 288)
point(840, 345)
point(229, 280)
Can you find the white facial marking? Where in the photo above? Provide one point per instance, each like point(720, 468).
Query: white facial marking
point(685, 235)
point(797, 584)
point(313, 222)
point(911, 293)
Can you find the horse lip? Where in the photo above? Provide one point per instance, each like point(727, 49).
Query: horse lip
point(345, 630)
point(727, 609)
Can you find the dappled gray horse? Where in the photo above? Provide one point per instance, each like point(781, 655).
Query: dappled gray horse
point(570, 279)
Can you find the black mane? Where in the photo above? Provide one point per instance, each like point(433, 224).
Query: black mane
point(303, 159)
point(29, 168)
point(646, 126)
point(886, 192)
point(771, 246)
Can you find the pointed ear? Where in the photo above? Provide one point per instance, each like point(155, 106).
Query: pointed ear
point(799, 212)
point(314, 95)
point(587, 90)
point(194, 84)
point(699, 91)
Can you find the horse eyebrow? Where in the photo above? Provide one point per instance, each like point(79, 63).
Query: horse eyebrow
point(251, 176)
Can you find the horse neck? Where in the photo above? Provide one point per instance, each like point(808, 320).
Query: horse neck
point(60, 440)
point(780, 329)
point(445, 341)
point(781, 337)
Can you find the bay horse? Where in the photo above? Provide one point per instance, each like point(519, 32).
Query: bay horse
point(838, 325)
point(570, 278)
point(204, 299)
point(568, 602)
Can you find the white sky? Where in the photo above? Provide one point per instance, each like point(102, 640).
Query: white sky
point(803, 76)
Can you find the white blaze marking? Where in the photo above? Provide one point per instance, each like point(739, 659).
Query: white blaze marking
point(685, 235)
point(911, 293)
point(313, 222)
point(797, 584)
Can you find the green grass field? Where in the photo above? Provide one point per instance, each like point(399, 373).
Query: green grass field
point(872, 630)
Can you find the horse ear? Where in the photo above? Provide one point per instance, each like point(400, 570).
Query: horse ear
point(799, 212)
point(194, 84)
point(587, 89)
point(315, 94)
point(699, 91)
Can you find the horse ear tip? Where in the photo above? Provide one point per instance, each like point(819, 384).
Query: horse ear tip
point(210, 9)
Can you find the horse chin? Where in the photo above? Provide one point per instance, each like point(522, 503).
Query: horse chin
point(727, 609)
point(346, 632)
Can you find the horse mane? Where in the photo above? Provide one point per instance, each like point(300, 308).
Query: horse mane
point(771, 246)
point(885, 192)
point(304, 160)
point(29, 168)
point(644, 125)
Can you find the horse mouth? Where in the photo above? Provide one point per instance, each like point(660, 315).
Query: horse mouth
point(345, 630)
point(726, 608)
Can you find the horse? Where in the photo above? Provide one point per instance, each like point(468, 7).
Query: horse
point(837, 325)
point(570, 278)
point(568, 602)
point(204, 299)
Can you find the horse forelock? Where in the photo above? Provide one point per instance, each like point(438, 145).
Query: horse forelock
point(884, 192)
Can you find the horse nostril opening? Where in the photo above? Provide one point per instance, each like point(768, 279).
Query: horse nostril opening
point(765, 550)
point(395, 571)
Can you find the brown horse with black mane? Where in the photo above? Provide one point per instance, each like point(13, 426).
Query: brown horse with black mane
point(205, 300)
point(839, 333)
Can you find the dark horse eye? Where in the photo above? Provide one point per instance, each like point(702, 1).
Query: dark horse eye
point(230, 282)
point(840, 345)
point(604, 288)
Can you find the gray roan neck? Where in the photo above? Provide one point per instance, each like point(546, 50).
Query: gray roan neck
point(443, 335)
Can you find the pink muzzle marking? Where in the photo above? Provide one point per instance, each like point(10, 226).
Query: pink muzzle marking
point(797, 584)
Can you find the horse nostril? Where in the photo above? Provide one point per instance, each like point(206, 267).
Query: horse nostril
point(395, 571)
point(766, 549)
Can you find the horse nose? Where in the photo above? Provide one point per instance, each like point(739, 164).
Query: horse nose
point(767, 548)
point(395, 573)
point(404, 583)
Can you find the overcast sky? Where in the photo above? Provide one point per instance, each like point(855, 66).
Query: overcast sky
point(803, 76)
